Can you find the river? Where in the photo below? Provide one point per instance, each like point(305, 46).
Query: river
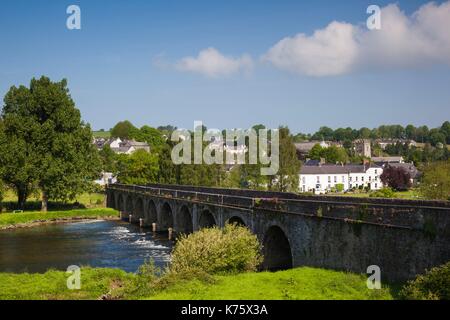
point(112, 244)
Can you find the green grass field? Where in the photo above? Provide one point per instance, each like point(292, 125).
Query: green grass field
point(296, 284)
point(88, 200)
point(52, 285)
point(101, 134)
point(11, 219)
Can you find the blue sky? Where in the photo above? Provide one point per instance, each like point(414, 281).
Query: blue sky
point(129, 62)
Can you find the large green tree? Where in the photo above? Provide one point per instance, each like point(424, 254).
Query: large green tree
point(286, 180)
point(435, 182)
point(124, 130)
point(45, 144)
point(138, 168)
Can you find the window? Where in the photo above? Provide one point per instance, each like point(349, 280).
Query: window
point(318, 179)
point(329, 179)
point(376, 171)
point(335, 179)
point(362, 178)
point(370, 178)
point(376, 185)
point(343, 178)
point(304, 180)
point(356, 178)
point(350, 179)
point(376, 178)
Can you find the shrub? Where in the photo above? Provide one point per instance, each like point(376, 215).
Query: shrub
point(383, 193)
point(433, 285)
point(232, 249)
point(396, 178)
point(339, 187)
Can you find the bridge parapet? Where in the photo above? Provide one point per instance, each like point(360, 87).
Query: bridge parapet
point(412, 214)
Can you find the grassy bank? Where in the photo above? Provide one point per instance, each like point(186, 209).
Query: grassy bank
point(408, 195)
point(300, 283)
point(24, 218)
point(85, 200)
point(52, 285)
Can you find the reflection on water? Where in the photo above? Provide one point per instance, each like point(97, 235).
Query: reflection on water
point(94, 243)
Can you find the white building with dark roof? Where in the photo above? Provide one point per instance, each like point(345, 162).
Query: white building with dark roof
point(122, 146)
point(326, 177)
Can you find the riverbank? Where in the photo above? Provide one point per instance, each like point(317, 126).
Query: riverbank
point(296, 284)
point(36, 218)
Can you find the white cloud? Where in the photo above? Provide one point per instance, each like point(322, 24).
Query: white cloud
point(211, 63)
point(420, 39)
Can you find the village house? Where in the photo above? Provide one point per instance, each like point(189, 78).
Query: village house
point(324, 178)
point(383, 143)
point(303, 148)
point(120, 146)
point(384, 160)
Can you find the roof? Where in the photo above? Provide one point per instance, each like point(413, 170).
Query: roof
point(307, 146)
point(137, 143)
point(312, 162)
point(387, 159)
point(336, 169)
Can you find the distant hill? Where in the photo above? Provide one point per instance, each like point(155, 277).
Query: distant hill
point(101, 134)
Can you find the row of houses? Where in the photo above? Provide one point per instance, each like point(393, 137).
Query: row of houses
point(362, 147)
point(319, 177)
point(324, 178)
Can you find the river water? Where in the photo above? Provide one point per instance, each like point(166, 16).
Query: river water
point(112, 244)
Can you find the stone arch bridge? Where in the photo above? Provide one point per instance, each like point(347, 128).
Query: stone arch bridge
point(402, 237)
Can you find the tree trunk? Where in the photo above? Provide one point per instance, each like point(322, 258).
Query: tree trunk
point(21, 197)
point(44, 205)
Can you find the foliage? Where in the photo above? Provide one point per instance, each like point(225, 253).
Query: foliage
point(232, 249)
point(286, 180)
point(140, 168)
point(332, 154)
point(169, 173)
point(433, 285)
point(420, 134)
point(435, 182)
point(109, 159)
point(45, 143)
point(396, 178)
point(383, 193)
point(418, 155)
point(150, 135)
point(339, 187)
point(123, 129)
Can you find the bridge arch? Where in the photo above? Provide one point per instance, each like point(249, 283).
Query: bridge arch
point(184, 221)
point(121, 203)
point(138, 211)
point(111, 199)
point(166, 217)
point(276, 250)
point(150, 215)
point(206, 220)
point(237, 220)
point(129, 204)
